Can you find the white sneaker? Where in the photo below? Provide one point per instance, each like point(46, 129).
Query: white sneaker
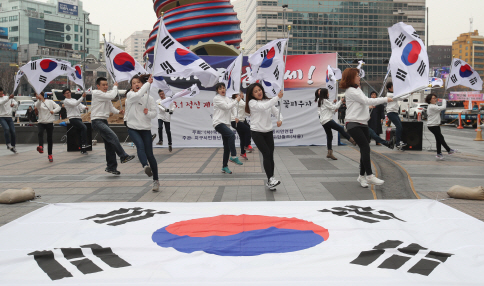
point(440, 157)
point(273, 182)
point(362, 180)
point(156, 186)
point(372, 180)
point(270, 187)
point(452, 151)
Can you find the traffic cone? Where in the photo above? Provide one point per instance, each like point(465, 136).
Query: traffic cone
point(419, 117)
point(460, 121)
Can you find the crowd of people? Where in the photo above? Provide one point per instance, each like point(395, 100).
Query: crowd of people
point(362, 117)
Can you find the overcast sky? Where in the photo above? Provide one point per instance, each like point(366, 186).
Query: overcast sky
point(448, 18)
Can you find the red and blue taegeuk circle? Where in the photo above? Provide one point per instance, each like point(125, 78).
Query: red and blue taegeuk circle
point(411, 52)
point(158, 78)
point(241, 235)
point(123, 62)
point(465, 71)
point(185, 57)
point(327, 75)
point(269, 58)
point(78, 72)
point(48, 65)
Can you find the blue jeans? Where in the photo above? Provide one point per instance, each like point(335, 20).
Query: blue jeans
point(8, 130)
point(111, 143)
point(244, 134)
point(329, 133)
point(228, 137)
point(144, 146)
point(377, 138)
point(395, 119)
point(81, 128)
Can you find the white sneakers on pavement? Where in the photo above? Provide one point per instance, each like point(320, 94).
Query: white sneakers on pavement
point(372, 180)
point(362, 180)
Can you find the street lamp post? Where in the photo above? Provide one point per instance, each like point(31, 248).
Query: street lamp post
point(284, 19)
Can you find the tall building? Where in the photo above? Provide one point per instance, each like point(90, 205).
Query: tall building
point(354, 29)
point(439, 56)
point(240, 7)
point(57, 28)
point(470, 48)
point(135, 44)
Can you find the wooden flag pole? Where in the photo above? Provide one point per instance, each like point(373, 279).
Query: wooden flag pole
point(283, 72)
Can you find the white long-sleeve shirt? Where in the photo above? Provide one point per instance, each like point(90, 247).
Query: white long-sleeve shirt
point(394, 106)
point(44, 109)
point(163, 114)
point(222, 110)
point(260, 114)
point(74, 107)
point(433, 113)
point(101, 105)
point(357, 105)
point(241, 111)
point(326, 110)
point(135, 104)
point(5, 108)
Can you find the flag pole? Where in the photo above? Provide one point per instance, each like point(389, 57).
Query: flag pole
point(155, 52)
point(241, 65)
point(450, 74)
point(112, 69)
point(284, 71)
point(384, 82)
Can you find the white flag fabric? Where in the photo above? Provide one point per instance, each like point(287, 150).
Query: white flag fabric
point(89, 90)
point(463, 74)
point(75, 74)
point(409, 62)
point(360, 68)
point(268, 66)
point(121, 65)
point(18, 76)
point(158, 81)
point(189, 92)
point(174, 60)
point(331, 82)
point(436, 82)
point(232, 76)
point(41, 72)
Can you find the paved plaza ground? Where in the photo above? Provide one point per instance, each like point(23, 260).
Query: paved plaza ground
point(193, 175)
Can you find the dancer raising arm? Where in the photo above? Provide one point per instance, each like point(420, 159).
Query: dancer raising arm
point(238, 123)
point(326, 112)
point(357, 117)
point(260, 108)
point(46, 108)
point(433, 124)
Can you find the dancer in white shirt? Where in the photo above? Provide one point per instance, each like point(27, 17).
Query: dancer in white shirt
point(433, 124)
point(164, 118)
point(46, 109)
point(6, 104)
point(74, 107)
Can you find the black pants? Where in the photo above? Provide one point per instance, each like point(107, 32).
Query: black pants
point(49, 127)
point(228, 139)
point(265, 144)
point(81, 128)
point(167, 128)
point(328, 126)
point(361, 136)
point(439, 138)
point(244, 135)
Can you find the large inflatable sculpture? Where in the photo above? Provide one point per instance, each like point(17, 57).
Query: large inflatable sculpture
point(206, 27)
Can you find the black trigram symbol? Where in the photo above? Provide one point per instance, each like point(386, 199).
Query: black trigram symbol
point(264, 53)
point(279, 46)
point(276, 73)
point(109, 50)
point(204, 66)
point(399, 41)
point(73, 76)
point(33, 66)
point(457, 63)
point(274, 91)
point(56, 271)
point(421, 68)
point(453, 78)
point(424, 266)
point(330, 87)
point(473, 81)
point(167, 67)
point(167, 42)
point(226, 75)
point(415, 35)
point(42, 79)
point(112, 74)
point(150, 66)
point(122, 216)
point(365, 214)
point(401, 75)
point(63, 67)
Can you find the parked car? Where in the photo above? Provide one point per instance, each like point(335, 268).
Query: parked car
point(22, 111)
point(416, 109)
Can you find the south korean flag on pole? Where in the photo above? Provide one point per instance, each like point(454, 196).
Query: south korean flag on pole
point(409, 62)
point(121, 65)
point(232, 76)
point(436, 82)
point(18, 76)
point(360, 68)
point(189, 92)
point(159, 82)
point(75, 75)
point(268, 66)
point(332, 76)
point(463, 74)
point(174, 60)
point(41, 72)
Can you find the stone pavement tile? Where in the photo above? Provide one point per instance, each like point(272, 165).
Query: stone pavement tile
point(230, 194)
point(165, 194)
point(179, 195)
point(208, 194)
point(193, 195)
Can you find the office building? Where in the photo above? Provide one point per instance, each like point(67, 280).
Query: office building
point(135, 44)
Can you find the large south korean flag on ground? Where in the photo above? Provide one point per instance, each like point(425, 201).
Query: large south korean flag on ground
point(172, 59)
point(41, 72)
point(463, 74)
point(367, 243)
point(121, 65)
point(409, 62)
point(268, 66)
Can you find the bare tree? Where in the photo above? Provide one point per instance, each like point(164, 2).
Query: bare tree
point(7, 77)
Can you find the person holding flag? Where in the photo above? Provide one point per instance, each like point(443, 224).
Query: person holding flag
point(46, 109)
point(433, 124)
point(260, 108)
point(326, 110)
point(74, 107)
point(164, 118)
point(392, 113)
point(357, 118)
point(6, 104)
point(237, 119)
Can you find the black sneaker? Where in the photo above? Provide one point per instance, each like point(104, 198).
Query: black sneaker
point(153, 136)
point(114, 172)
point(127, 159)
point(160, 142)
point(391, 143)
point(13, 149)
point(170, 148)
